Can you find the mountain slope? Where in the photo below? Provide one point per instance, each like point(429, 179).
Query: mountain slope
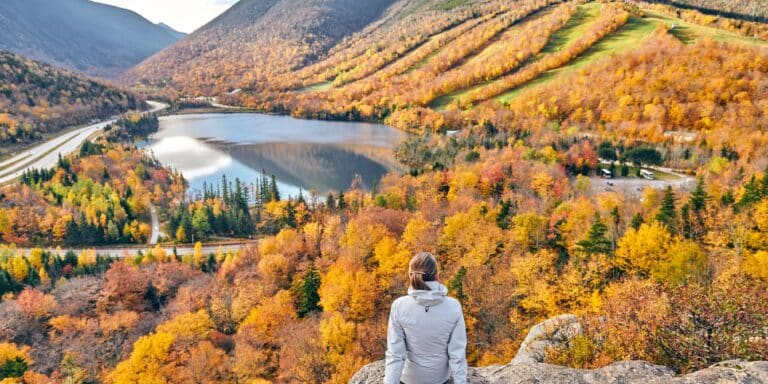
point(92, 38)
point(256, 39)
point(178, 35)
point(36, 98)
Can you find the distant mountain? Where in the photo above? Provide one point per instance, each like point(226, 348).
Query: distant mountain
point(271, 35)
point(36, 98)
point(175, 33)
point(92, 38)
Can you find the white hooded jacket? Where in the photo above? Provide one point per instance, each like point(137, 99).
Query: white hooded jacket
point(426, 338)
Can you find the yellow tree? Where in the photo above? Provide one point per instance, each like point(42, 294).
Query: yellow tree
point(147, 363)
point(349, 289)
point(640, 250)
point(471, 238)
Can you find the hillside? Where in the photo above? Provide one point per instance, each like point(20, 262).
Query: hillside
point(96, 39)
point(602, 159)
point(37, 99)
point(256, 39)
point(743, 9)
point(474, 61)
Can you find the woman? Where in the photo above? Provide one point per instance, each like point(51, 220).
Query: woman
point(426, 336)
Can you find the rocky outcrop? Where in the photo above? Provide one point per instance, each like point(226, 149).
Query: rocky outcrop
point(553, 333)
point(527, 367)
point(624, 372)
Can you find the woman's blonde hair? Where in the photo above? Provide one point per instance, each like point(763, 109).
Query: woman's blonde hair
point(422, 268)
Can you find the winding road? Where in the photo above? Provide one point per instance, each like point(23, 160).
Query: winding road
point(47, 154)
point(121, 252)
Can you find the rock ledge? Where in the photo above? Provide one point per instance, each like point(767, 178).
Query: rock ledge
point(528, 366)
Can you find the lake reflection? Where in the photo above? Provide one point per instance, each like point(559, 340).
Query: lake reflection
point(307, 154)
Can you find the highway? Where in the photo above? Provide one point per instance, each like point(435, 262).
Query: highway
point(47, 154)
point(130, 250)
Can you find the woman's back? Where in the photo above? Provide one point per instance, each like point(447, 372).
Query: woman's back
point(426, 340)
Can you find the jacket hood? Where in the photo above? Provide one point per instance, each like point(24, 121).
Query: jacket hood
point(429, 298)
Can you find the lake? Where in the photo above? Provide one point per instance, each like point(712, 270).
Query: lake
point(325, 156)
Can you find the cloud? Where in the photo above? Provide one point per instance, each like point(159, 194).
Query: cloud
point(183, 15)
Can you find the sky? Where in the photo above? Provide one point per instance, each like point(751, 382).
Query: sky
point(181, 15)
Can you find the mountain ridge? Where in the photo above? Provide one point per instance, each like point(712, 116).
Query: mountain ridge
point(257, 34)
point(95, 39)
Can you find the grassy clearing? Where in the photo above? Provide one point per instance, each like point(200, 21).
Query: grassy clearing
point(317, 87)
point(689, 33)
point(578, 23)
point(626, 38)
point(629, 37)
point(584, 17)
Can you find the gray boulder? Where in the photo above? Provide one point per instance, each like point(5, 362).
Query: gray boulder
point(528, 366)
point(623, 372)
point(552, 333)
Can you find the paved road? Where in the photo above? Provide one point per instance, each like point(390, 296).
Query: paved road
point(155, 225)
point(129, 251)
point(215, 103)
point(46, 154)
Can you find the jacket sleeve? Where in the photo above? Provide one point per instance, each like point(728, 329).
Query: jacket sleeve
point(395, 356)
point(457, 351)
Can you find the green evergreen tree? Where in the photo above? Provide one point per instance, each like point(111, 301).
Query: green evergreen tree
point(456, 284)
point(274, 191)
point(727, 198)
point(201, 224)
point(637, 221)
point(687, 222)
point(13, 368)
point(752, 193)
point(306, 298)
point(668, 213)
point(699, 197)
point(505, 213)
point(596, 241)
point(764, 184)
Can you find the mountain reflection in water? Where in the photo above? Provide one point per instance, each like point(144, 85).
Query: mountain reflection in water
point(302, 154)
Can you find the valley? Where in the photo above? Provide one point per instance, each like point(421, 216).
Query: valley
point(241, 204)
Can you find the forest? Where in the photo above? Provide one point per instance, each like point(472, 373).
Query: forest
point(100, 195)
point(508, 226)
point(514, 111)
point(38, 99)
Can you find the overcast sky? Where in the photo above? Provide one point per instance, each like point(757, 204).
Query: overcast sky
point(182, 15)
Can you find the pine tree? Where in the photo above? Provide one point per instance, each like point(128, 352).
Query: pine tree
point(699, 197)
point(290, 215)
point(505, 212)
point(274, 191)
point(686, 226)
point(764, 184)
point(342, 203)
point(306, 298)
point(727, 198)
point(752, 193)
point(224, 189)
point(456, 285)
point(668, 213)
point(637, 221)
point(596, 241)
